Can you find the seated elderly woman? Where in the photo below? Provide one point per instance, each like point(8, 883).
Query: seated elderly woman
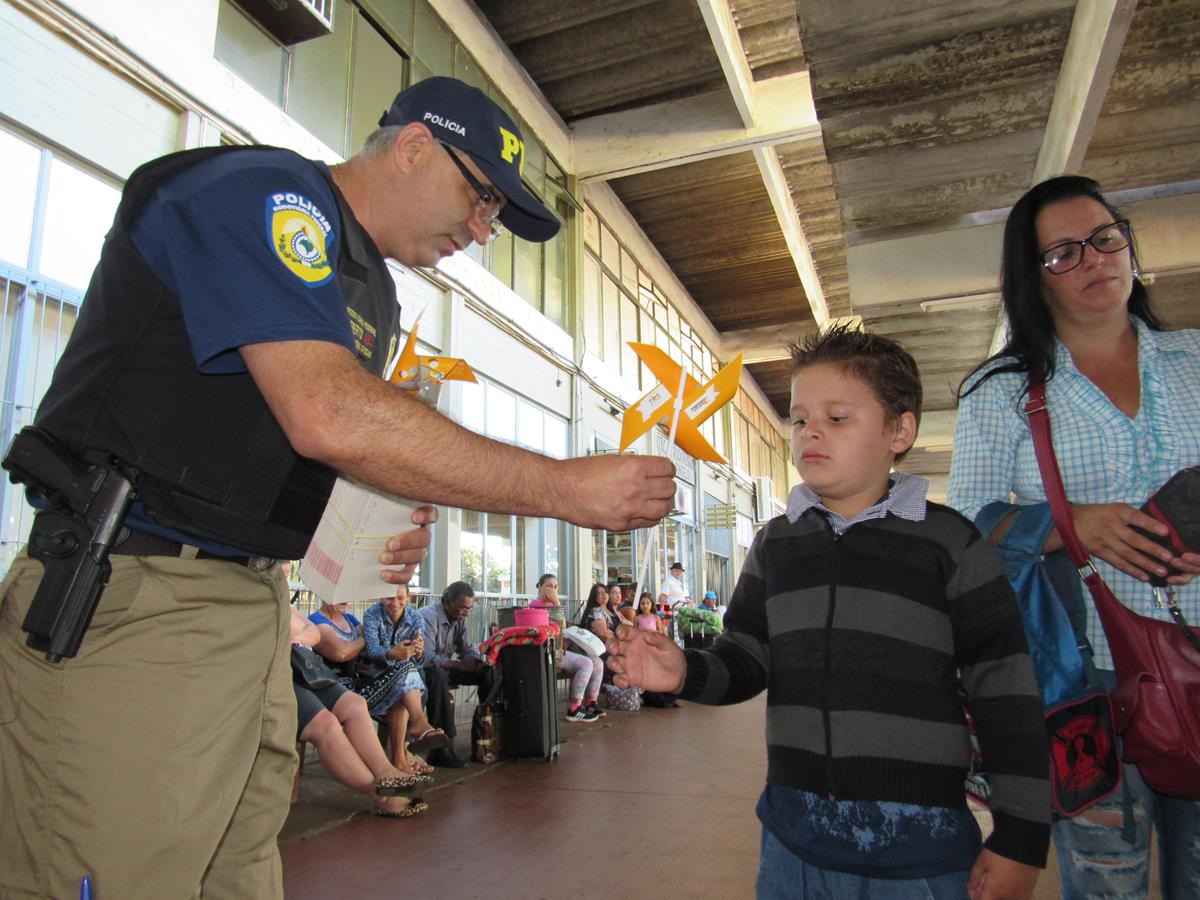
point(344, 644)
point(392, 631)
point(335, 721)
point(341, 635)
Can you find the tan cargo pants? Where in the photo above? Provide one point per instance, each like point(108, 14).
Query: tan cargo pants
point(159, 760)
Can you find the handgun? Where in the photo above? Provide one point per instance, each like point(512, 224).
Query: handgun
point(80, 509)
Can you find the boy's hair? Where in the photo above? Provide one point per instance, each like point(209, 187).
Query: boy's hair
point(877, 361)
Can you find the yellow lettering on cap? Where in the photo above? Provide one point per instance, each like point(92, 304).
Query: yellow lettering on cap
point(512, 145)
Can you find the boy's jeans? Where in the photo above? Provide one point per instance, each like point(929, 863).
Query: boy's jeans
point(784, 876)
point(1095, 861)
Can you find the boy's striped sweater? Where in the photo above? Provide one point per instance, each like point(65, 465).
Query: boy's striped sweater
point(860, 641)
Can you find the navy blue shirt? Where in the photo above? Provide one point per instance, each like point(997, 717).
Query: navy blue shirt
point(248, 242)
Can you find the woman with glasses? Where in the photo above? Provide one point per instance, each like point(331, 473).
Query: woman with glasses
point(1124, 402)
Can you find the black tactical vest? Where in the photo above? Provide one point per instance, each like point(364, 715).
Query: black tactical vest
point(213, 461)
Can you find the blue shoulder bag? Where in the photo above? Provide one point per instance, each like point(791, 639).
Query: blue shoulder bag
point(1084, 766)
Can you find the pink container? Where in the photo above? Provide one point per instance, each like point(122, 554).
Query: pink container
point(529, 616)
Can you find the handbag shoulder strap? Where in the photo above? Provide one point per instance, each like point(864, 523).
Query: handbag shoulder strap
point(1056, 495)
point(1108, 606)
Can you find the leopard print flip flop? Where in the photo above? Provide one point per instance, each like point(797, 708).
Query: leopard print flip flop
point(415, 807)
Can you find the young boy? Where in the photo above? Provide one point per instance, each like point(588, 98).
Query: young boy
point(865, 611)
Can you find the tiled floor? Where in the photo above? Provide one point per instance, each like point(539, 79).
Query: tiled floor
point(660, 804)
point(653, 804)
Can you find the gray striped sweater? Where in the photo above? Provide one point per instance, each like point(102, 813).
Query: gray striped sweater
point(866, 644)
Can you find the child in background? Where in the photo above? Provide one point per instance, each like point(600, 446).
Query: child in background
point(647, 619)
point(863, 611)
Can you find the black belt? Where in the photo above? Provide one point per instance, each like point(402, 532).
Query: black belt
point(142, 543)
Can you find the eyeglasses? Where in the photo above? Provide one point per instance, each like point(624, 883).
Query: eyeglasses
point(488, 206)
point(1062, 258)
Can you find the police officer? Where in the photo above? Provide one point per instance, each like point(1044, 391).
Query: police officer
point(229, 350)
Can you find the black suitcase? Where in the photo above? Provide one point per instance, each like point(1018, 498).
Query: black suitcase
point(530, 704)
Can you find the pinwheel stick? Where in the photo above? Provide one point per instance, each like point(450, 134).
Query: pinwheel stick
point(643, 569)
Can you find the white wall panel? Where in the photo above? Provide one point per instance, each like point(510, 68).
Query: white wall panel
point(509, 362)
point(58, 92)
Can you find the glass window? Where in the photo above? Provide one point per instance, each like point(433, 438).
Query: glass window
point(470, 542)
point(610, 321)
point(533, 167)
point(629, 272)
point(554, 536)
point(556, 437)
point(432, 42)
point(629, 332)
point(742, 429)
point(466, 70)
point(529, 426)
point(525, 531)
point(556, 275)
point(672, 321)
point(598, 569)
point(498, 555)
point(20, 162)
point(610, 250)
point(501, 414)
point(745, 530)
point(527, 272)
point(316, 96)
point(396, 17)
point(502, 257)
point(472, 408)
point(79, 212)
point(660, 309)
point(592, 305)
point(257, 58)
point(377, 73)
point(591, 230)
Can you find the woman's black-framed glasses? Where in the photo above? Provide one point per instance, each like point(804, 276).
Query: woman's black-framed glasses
point(1062, 258)
point(488, 206)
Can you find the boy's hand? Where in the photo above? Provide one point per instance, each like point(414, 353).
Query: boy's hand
point(645, 659)
point(994, 877)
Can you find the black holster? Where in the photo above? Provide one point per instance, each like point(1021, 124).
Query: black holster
point(80, 508)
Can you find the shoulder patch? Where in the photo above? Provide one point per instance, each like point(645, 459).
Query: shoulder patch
point(299, 236)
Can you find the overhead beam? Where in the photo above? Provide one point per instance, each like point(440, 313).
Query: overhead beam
point(479, 38)
point(681, 131)
point(764, 344)
point(1097, 35)
point(785, 211)
point(601, 198)
point(726, 40)
point(1094, 45)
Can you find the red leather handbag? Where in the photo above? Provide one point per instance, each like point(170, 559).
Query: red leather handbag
point(1156, 702)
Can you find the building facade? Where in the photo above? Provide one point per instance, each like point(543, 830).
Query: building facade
point(95, 88)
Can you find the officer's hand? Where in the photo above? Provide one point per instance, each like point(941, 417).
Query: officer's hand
point(617, 492)
point(406, 550)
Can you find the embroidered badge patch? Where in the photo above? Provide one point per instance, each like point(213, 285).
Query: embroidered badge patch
point(299, 235)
